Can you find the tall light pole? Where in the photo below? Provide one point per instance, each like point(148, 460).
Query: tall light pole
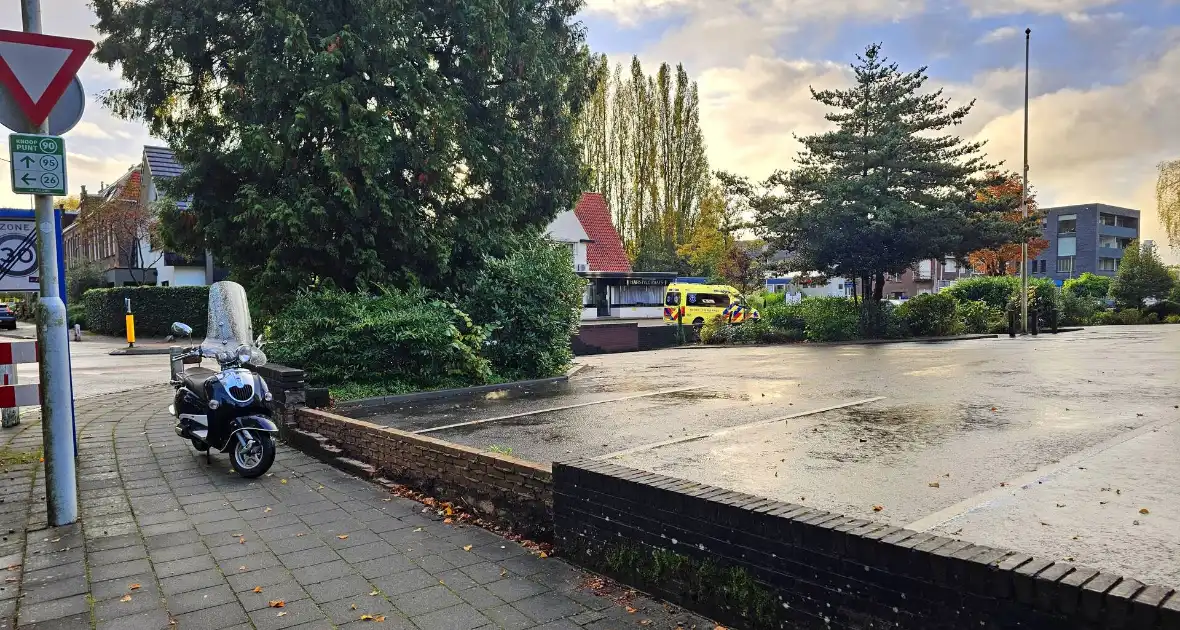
point(1024, 198)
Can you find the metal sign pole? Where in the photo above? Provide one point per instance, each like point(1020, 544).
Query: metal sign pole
point(61, 483)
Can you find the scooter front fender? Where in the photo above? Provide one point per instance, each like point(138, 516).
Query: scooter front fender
point(255, 423)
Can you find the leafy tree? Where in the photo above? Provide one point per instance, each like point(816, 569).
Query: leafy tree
point(742, 266)
point(384, 142)
point(1005, 258)
point(1141, 275)
point(1088, 285)
point(714, 235)
point(71, 203)
point(883, 189)
point(128, 224)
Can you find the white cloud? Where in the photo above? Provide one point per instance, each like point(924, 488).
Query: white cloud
point(988, 8)
point(781, 12)
point(999, 35)
point(88, 129)
point(1091, 18)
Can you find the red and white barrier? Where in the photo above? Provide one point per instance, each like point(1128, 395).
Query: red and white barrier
point(12, 353)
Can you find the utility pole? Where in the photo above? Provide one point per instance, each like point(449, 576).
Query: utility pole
point(1024, 198)
point(57, 397)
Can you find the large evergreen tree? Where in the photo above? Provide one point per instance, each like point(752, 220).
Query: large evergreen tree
point(355, 141)
point(885, 188)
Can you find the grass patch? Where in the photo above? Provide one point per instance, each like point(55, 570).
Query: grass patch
point(501, 450)
point(357, 391)
point(11, 457)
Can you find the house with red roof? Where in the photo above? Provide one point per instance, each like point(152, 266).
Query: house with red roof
point(614, 290)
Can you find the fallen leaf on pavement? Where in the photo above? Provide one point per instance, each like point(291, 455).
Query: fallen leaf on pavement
point(645, 622)
point(242, 540)
point(933, 484)
point(300, 534)
point(1143, 511)
point(353, 607)
point(282, 614)
point(418, 529)
point(503, 572)
point(266, 510)
point(366, 617)
point(243, 568)
point(321, 487)
point(542, 555)
point(343, 536)
point(257, 589)
point(447, 510)
point(447, 521)
point(630, 610)
point(276, 603)
point(467, 548)
point(375, 592)
point(125, 598)
point(878, 508)
point(282, 481)
point(134, 587)
point(379, 618)
point(13, 567)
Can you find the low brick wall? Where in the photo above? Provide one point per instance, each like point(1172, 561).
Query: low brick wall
point(516, 493)
point(756, 563)
point(605, 338)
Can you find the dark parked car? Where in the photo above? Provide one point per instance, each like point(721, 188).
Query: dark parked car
point(7, 317)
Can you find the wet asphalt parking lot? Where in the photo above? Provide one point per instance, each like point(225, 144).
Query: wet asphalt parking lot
point(1050, 445)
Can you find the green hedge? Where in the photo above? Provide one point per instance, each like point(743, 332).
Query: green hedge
point(995, 291)
point(155, 309)
point(930, 315)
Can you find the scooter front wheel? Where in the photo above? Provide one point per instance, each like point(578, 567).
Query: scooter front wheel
point(254, 457)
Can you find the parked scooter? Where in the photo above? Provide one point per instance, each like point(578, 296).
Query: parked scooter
point(227, 409)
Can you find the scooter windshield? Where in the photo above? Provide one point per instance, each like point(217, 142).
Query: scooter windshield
point(229, 324)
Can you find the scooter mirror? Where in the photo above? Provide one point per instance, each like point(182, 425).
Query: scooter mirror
point(180, 329)
point(258, 342)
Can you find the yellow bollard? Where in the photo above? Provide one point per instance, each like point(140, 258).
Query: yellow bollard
point(130, 325)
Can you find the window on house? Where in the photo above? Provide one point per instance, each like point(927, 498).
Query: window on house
point(1044, 264)
point(1106, 219)
point(1067, 224)
point(1065, 264)
point(1108, 264)
point(897, 295)
point(1126, 222)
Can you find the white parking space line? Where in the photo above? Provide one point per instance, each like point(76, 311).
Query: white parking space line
point(995, 496)
point(727, 430)
point(552, 409)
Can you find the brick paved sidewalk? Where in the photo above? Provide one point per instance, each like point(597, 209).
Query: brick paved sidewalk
point(208, 549)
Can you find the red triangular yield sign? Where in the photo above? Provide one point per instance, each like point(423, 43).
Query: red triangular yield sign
point(38, 68)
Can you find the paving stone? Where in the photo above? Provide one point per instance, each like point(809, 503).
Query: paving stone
point(57, 589)
point(73, 622)
point(425, 600)
point(202, 598)
point(361, 553)
point(485, 572)
point(383, 566)
point(288, 591)
point(405, 582)
point(298, 612)
point(215, 618)
point(98, 573)
point(36, 562)
point(514, 589)
point(460, 617)
point(322, 572)
point(252, 562)
point(173, 568)
point(508, 618)
point(191, 582)
point(342, 611)
point(121, 586)
point(115, 607)
point(308, 557)
point(171, 539)
point(53, 609)
point(156, 619)
point(548, 607)
point(265, 577)
point(480, 598)
point(339, 588)
point(178, 552)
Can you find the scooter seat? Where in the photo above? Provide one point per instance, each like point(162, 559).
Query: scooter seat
point(195, 377)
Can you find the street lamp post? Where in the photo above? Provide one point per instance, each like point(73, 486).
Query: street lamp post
point(1024, 198)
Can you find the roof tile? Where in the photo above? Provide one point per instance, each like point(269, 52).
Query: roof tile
point(606, 252)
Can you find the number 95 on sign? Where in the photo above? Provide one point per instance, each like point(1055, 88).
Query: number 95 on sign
point(38, 164)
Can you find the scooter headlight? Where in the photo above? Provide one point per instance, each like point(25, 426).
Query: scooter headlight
point(244, 354)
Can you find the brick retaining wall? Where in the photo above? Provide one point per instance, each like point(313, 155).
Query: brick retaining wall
point(756, 563)
point(514, 492)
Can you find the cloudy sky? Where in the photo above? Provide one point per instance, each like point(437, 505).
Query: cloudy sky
point(1104, 81)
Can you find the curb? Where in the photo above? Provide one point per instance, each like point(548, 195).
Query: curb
point(448, 393)
point(862, 342)
point(138, 351)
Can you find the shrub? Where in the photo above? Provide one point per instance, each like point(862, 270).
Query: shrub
point(772, 299)
point(1087, 285)
point(1128, 317)
point(715, 331)
point(391, 342)
point(787, 319)
point(930, 315)
point(1105, 318)
point(830, 319)
point(995, 291)
point(878, 320)
point(530, 302)
point(1150, 318)
point(81, 276)
point(76, 314)
point(155, 309)
point(977, 317)
point(1078, 309)
point(1163, 309)
point(1172, 319)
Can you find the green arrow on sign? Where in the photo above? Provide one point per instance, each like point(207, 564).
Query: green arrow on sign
point(28, 161)
point(25, 179)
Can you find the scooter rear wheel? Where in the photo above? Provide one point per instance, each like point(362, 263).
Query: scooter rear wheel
point(256, 460)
